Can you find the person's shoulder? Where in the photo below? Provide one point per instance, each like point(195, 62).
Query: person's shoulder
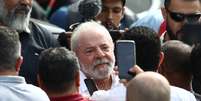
point(22, 92)
point(197, 96)
point(63, 9)
point(37, 92)
point(43, 25)
point(62, 12)
point(45, 33)
point(179, 94)
point(177, 90)
point(151, 19)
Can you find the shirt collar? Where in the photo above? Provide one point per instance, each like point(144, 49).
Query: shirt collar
point(12, 79)
point(83, 88)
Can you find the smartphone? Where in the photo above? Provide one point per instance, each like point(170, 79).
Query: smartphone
point(91, 86)
point(126, 57)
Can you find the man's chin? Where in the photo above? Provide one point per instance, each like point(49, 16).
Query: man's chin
point(21, 23)
point(21, 28)
point(20, 13)
point(102, 73)
point(110, 26)
point(101, 76)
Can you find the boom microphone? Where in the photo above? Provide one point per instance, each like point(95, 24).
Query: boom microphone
point(89, 9)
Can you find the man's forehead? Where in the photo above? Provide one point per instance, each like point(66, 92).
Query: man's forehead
point(105, 1)
point(94, 36)
point(84, 44)
point(185, 6)
point(88, 44)
point(111, 3)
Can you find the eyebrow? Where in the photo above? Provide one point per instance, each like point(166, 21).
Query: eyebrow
point(101, 45)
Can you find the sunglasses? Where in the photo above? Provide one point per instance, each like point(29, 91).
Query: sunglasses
point(179, 17)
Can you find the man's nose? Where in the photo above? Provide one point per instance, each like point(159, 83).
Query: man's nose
point(185, 21)
point(100, 53)
point(26, 2)
point(110, 15)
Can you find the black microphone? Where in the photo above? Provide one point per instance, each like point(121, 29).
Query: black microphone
point(89, 9)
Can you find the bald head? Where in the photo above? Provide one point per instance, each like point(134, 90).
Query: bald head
point(176, 66)
point(148, 86)
point(176, 56)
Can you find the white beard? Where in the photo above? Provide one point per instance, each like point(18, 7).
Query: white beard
point(98, 73)
point(19, 22)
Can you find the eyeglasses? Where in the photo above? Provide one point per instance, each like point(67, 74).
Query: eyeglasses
point(179, 17)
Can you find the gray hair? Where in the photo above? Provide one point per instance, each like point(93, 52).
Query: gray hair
point(84, 27)
point(9, 48)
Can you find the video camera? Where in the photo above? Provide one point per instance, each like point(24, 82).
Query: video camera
point(88, 9)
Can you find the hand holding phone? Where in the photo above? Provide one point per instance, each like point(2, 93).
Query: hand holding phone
point(126, 57)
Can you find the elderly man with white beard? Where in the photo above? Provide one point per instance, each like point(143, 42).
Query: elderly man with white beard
point(34, 38)
point(94, 48)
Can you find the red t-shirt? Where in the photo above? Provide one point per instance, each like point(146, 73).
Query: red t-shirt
point(73, 97)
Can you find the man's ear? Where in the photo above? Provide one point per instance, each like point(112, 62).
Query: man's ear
point(164, 13)
point(77, 79)
point(160, 65)
point(40, 82)
point(123, 12)
point(18, 63)
point(161, 58)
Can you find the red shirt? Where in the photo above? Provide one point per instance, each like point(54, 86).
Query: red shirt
point(162, 28)
point(73, 97)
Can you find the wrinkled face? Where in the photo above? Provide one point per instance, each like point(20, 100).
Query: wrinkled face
point(15, 13)
point(180, 12)
point(95, 54)
point(111, 14)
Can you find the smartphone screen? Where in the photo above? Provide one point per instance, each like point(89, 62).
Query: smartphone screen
point(126, 58)
point(91, 86)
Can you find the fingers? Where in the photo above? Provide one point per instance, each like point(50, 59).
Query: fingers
point(124, 81)
point(116, 72)
point(135, 70)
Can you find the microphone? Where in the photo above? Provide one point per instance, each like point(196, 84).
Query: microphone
point(89, 9)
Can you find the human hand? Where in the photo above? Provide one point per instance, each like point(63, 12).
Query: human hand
point(135, 70)
point(132, 71)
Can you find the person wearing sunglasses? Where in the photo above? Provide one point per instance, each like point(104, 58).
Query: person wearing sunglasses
point(177, 13)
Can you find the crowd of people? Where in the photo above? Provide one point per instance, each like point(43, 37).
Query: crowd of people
point(78, 62)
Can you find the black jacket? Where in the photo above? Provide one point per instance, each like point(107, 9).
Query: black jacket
point(32, 44)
